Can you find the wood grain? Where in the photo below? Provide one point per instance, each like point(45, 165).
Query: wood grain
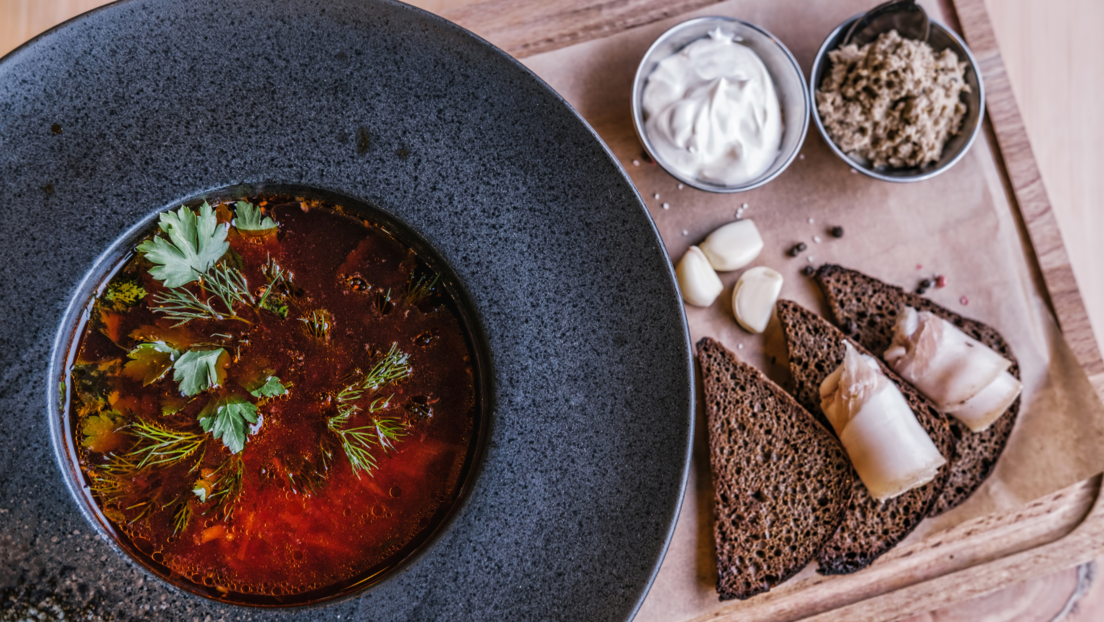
point(968, 552)
point(527, 27)
point(1030, 193)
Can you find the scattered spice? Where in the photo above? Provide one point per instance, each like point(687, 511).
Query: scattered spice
point(797, 249)
point(636, 162)
point(940, 281)
point(666, 206)
point(837, 231)
point(964, 300)
point(808, 271)
point(816, 238)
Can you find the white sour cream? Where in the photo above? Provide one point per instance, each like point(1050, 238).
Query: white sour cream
point(712, 112)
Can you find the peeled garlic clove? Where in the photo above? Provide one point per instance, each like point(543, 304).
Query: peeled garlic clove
point(733, 246)
point(698, 281)
point(981, 410)
point(754, 297)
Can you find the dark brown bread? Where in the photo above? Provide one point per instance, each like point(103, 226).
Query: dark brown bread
point(869, 308)
point(782, 481)
point(869, 528)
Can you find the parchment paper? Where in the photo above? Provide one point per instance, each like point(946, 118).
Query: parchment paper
point(959, 224)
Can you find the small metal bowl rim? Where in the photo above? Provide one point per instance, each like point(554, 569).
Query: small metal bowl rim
point(822, 56)
point(638, 112)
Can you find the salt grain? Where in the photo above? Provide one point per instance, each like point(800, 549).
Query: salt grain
point(811, 258)
point(666, 206)
point(636, 162)
point(801, 156)
point(744, 206)
point(655, 196)
point(811, 221)
point(681, 186)
point(685, 232)
point(739, 346)
point(854, 172)
point(816, 238)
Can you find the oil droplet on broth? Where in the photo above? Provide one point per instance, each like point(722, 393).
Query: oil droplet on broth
point(396, 492)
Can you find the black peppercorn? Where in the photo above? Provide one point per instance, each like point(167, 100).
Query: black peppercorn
point(837, 231)
point(808, 271)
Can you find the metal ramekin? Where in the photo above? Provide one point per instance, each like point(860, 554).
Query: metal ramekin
point(940, 39)
point(789, 84)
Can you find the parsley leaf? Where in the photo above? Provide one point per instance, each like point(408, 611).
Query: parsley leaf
point(271, 388)
point(101, 431)
point(149, 362)
point(194, 245)
point(198, 370)
point(247, 217)
point(226, 419)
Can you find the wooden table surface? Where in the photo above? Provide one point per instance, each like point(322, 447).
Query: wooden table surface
point(1056, 66)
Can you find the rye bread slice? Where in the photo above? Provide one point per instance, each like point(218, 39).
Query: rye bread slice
point(869, 307)
point(781, 480)
point(869, 527)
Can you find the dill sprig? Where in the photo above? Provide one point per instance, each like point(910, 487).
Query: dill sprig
point(229, 285)
point(161, 447)
point(182, 516)
point(183, 306)
point(419, 290)
point(228, 486)
point(318, 323)
point(275, 274)
point(107, 485)
point(391, 368)
point(359, 442)
point(225, 283)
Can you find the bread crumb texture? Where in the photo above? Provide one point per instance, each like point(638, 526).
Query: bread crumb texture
point(781, 480)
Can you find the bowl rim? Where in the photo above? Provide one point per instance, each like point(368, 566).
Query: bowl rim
point(822, 55)
point(639, 79)
point(116, 254)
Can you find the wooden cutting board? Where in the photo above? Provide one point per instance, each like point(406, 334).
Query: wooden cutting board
point(973, 559)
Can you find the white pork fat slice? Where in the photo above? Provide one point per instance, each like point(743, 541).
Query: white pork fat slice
point(890, 451)
point(961, 375)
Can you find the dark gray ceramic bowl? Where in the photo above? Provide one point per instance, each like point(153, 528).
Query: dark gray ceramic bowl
point(135, 107)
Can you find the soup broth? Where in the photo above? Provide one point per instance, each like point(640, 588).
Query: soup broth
point(277, 421)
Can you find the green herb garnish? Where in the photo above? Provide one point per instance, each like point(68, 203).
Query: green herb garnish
point(226, 419)
point(247, 217)
point(318, 323)
point(149, 362)
point(271, 388)
point(193, 247)
point(419, 290)
point(197, 370)
point(159, 446)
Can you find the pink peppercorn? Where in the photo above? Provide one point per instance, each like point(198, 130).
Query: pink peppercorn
point(964, 300)
point(940, 281)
